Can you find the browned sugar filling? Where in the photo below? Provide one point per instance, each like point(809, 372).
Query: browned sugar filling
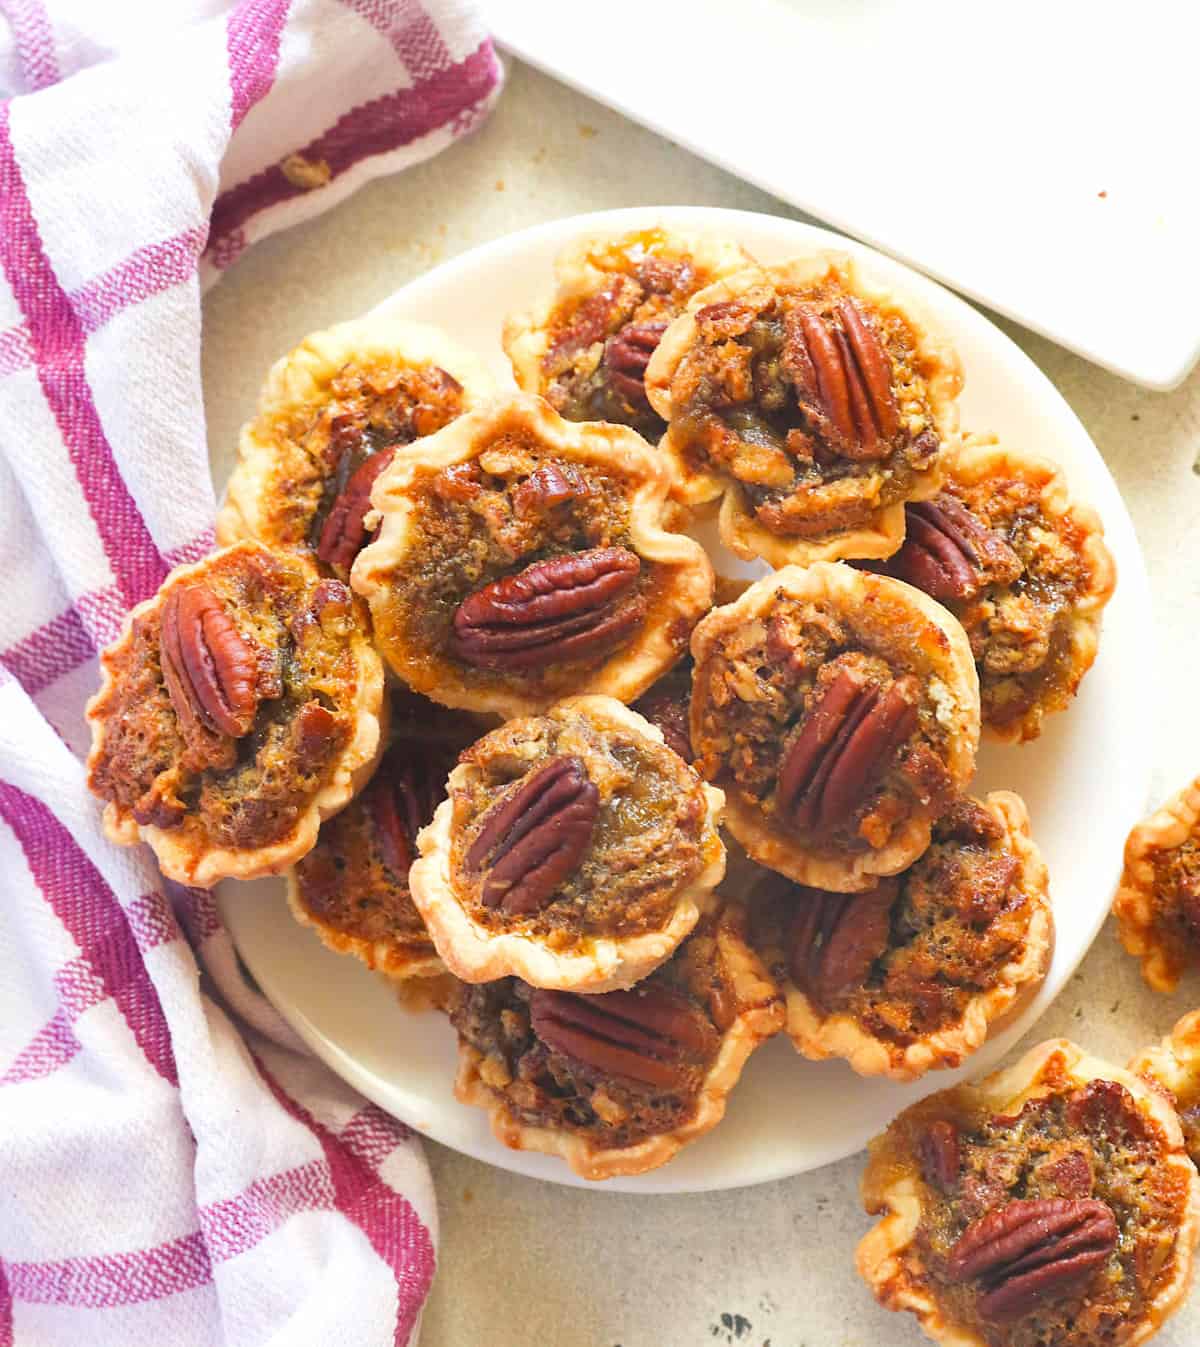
point(250, 791)
point(906, 961)
point(600, 343)
point(1090, 1143)
point(757, 691)
point(793, 419)
point(643, 847)
point(355, 880)
point(1020, 631)
point(1177, 897)
point(370, 406)
point(481, 522)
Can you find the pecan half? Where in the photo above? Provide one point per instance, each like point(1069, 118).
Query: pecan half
point(530, 842)
point(626, 357)
point(549, 485)
point(949, 553)
point(210, 670)
point(343, 533)
point(939, 1154)
point(843, 744)
point(581, 605)
point(402, 798)
point(836, 937)
point(650, 1034)
point(843, 378)
point(1030, 1249)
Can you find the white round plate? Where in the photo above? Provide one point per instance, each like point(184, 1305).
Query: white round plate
point(1086, 780)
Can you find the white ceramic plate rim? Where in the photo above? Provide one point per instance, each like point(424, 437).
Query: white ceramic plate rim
point(267, 946)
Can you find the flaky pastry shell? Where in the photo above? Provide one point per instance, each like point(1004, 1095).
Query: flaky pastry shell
point(685, 591)
point(739, 530)
point(605, 963)
point(272, 466)
point(1138, 915)
point(934, 646)
point(189, 859)
point(759, 1017)
point(888, 1257)
point(982, 458)
point(1174, 1062)
point(818, 1036)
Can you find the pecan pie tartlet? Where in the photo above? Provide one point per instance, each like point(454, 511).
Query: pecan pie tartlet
point(586, 349)
point(575, 851)
point(241, 705)
point(915, 973)
point(1049, 1205)
point(839, 711)
point(522, 558)
point(618, 1083)
point(1157, 906)
point(1023, 568)
point(811, 402)
point(1174, 1063)
point(329, 416)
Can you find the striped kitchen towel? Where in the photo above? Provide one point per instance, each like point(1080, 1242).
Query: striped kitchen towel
point(168, 1176)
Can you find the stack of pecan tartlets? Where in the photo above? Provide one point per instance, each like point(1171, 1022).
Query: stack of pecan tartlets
point(532, 813)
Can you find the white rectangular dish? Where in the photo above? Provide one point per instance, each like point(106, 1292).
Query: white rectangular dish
point(1035, 157)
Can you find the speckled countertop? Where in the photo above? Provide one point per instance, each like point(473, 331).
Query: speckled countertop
point(526, 1263)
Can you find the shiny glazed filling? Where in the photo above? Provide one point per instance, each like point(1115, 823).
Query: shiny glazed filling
point(750, 405)
point(644, 848)
point(1176, 899)
point(301, 633)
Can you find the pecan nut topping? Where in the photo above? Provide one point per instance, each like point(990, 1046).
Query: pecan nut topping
point(843, 744)
point(1030, 1249)
point(940, 1155)
point(343, 532)
point(650, 1035)
point(627, 355)
point(549, 485)
point(949, 553)
point(530, 842)
point(581, 605)
point(836, 937)
point(843, 379)
point(210, 670)
point(402, 799)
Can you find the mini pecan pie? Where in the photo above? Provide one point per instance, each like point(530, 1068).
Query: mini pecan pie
point(914, 974)
point(575, 851)
point(329, 416)
point(240, 706)
point(522, 558)
point(586, 349)
point(352, 887)
point(1024, 570)
point(1157, 906)
point(839, 711)
point(813, 403)
point(1049, 1205)
point(618, 1083)
point(1175, 1065)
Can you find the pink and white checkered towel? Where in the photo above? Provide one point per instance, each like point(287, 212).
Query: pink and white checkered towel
point(168, 1176)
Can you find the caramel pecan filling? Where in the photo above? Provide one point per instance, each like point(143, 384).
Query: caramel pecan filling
point(573, 831)
point(355, 880)
point(521, 565)
point(810, 401)
point(1048, 1227)
point(1012, 575)
point(600, 344)
point(231, 702)
point(904, 958)
point(831, 741)
point(1176, 898)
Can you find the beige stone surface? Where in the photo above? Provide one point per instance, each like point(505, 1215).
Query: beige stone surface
point(526, 1263)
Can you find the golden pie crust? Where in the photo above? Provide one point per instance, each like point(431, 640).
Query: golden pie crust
point(889, 1258)
point(1174, 1064)
point(600, 963)
point(751, 1001)
point(819, 1036)
point(1151, 925)
point(874, 608)
point(940, 379)
point(279, 479)
point(679, 587)
point(185, 853)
